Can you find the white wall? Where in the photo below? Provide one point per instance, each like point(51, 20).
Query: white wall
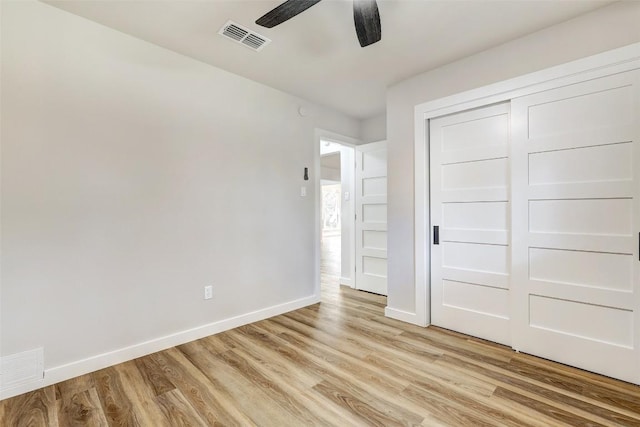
point(374, 129)
point(132, 177)
point(604, 29)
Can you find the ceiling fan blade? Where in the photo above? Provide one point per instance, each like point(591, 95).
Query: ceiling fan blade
point(284, 12)
point(367, 20)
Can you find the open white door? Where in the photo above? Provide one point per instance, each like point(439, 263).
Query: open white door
point(371, 217)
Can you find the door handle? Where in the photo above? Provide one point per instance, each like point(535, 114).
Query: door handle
point(436, 234)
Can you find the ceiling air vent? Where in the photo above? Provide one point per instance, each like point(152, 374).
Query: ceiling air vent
point(243, 35)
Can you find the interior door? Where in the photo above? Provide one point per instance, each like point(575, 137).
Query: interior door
point(470, 252)
point(371, 217)
point(576, 219)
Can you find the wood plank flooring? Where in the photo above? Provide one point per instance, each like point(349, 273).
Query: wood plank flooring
point(338, 363)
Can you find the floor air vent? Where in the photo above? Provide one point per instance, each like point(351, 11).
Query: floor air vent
point(244, 36)
point(20, 370)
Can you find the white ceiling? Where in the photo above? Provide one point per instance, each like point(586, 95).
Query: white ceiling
point(316, 55)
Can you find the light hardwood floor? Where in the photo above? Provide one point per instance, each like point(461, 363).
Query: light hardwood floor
point(338, 363)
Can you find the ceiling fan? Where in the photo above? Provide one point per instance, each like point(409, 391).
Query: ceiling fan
point(365, 17)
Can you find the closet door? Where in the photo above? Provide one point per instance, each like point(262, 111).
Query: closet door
point(576, 217)
point(469, 167)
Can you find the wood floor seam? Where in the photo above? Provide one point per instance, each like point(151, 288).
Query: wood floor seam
point(339, 363)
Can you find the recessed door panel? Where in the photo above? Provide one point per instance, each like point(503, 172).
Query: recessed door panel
point(581, 216)
point(492, 173)
point(374, 186)
point(476, 216)
point(582, 268)
point(475, 256)
point(612, 162)
point(473, 134)
point(572, 113)
point(372, 239)
point(608, 325)
point(485, 300)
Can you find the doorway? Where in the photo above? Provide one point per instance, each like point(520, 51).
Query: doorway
point(331, 238)
point(336, 215)
point(352, 181)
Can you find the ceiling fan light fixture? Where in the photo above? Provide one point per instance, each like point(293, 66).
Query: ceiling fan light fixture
point(365, 16)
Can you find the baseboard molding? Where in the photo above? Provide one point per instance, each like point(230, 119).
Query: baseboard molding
point(346, 281)
point(21, 389)
point(403, 316)
point(64, 372)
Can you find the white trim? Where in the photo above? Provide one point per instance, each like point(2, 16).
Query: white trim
point(317, 249)
point(327, 135)
point(346, 281)
point(22, 388)
point(1, 2)
point(94, 363)
point(614, 61)
point(403, 316)
point(421, 222)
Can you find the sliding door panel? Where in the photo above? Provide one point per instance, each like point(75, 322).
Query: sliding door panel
point(470, 263)
point(575, 222)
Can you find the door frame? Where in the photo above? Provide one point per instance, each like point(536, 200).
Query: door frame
point(325, 135)
point(614, 61)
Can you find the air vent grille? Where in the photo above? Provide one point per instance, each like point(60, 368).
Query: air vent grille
point(234, 32)
point(254, 41)
point(244, 36)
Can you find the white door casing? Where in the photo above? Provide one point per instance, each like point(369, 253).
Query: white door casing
point(469, 156)
point(576, 217)
point(371, 217)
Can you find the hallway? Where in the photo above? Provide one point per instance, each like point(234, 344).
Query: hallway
point(330, 261)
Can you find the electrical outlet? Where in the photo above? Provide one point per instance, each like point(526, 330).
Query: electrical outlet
point(208, 292)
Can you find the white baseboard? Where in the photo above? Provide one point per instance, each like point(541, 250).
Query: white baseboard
point(346, 281)
point(64, 372)
point(8, 392)
point(403, 316)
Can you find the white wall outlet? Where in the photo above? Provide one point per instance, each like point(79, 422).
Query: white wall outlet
point(208, 292)
point(347, 195)
point(303, 191)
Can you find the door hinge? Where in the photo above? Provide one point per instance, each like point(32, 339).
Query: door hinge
point(436, 234)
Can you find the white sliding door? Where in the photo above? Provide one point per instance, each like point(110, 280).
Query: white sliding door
point(576, 217)
point(469, 164)
point(371, 217)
